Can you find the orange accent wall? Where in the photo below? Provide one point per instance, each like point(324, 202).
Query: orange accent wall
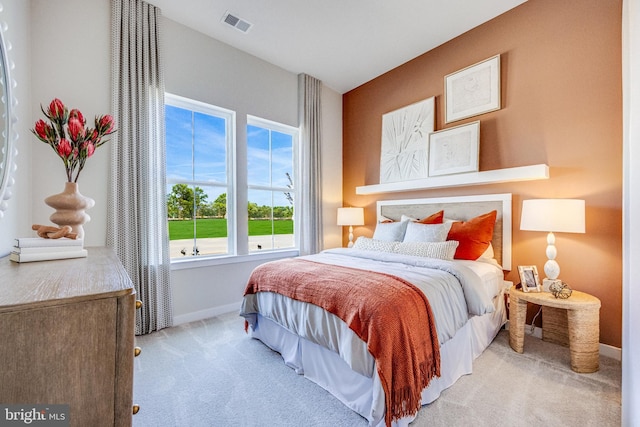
point(561, 75)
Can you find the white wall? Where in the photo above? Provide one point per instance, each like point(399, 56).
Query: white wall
point(17, 219)
point(70, 60)
point(216, 73)
point(631, 215)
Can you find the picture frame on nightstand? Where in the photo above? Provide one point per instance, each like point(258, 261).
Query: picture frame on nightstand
point(529, 278)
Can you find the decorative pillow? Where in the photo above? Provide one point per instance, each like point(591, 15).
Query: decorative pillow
point(368, 244)
point(385, 219)
point(417, 232)
point(488, 254)
point(439, 250)
point(474, 235)
point(436, 218)
point(390, 231)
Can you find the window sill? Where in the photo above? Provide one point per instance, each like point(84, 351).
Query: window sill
point(208, 261)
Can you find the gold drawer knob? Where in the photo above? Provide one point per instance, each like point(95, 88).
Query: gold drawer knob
point(137, 351)
point(136, 408)
point(138, 303)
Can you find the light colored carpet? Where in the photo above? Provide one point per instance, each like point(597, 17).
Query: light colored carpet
point(209, 373)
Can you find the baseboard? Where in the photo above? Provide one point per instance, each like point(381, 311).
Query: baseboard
point(205, 314)
point(611, 351)
point(605, 349)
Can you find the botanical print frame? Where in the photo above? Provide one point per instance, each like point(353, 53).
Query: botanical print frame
point(405, 138)
point(473, 90)
point(454, 150)
point(529, 278)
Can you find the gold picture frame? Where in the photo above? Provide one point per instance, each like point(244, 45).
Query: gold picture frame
point(529, 278)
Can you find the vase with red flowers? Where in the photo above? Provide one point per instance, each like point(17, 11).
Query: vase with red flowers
point(68, 135)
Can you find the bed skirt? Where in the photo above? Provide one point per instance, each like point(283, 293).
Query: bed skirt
point(364, 394)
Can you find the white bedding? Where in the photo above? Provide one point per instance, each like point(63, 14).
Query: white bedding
point(466, 298)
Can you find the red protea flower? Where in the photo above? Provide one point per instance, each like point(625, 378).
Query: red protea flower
point(57, 110)
point(90, 149)
point(105, 124)
point(76, 114)
point(76, 129)
point(66, 133)
point(64, 148)
point(40, 130)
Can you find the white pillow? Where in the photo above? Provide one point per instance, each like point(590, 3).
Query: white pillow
point(390, 231)
point(488, 254)
point(417, 232)
point(367, 244)
point(489, 257)
point(440, 250)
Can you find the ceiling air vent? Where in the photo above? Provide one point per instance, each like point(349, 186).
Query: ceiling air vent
point(235, 22)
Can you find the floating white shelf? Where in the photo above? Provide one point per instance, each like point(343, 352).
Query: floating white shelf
point(521, 173)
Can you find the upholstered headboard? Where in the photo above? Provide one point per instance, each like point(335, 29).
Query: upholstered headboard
point(460, 208)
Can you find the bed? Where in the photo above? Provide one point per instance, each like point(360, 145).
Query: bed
point(465, 305)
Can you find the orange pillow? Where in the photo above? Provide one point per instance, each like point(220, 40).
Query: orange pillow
point(436, 218)
point(474, 235)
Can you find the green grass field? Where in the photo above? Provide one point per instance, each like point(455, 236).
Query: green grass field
point(216, 227)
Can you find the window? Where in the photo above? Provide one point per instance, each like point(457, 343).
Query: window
point(199, 140)
point(201, 187)
point(271, 160)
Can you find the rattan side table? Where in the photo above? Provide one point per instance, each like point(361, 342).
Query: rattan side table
point(574, 321)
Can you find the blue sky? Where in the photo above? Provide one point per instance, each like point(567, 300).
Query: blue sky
point(205, 149)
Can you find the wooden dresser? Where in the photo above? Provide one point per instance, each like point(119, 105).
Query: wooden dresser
point(67, 336)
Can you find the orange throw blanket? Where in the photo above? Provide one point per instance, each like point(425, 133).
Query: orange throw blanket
point(390, 314)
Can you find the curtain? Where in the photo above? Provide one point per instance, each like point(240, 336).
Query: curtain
point(310, 191)
point(137, 212)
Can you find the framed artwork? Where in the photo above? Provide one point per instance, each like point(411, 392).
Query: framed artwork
point(473, 90)
point(454, 150)
point(529, 278)
point(405, 137)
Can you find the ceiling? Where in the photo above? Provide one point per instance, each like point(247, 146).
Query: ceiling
point(344, 43)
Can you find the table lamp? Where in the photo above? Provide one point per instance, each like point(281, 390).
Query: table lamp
point(350, 217)
point(552, 215)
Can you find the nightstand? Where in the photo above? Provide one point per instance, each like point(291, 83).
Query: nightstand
point(574, 321)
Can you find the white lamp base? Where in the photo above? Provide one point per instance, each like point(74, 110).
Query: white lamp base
point(350, 237)
point(551, 267)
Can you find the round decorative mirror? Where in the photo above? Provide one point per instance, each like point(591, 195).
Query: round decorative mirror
point(8, 136)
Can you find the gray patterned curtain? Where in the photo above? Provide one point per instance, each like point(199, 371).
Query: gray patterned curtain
point(136, 226)
point(310, 191)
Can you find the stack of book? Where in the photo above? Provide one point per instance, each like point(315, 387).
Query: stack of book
point(27, 249)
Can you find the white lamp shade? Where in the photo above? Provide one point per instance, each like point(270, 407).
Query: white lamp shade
point(553, 215)
point(350, 216)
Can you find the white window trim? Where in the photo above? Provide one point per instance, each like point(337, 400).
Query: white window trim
point(230, 117)
point(295, 133)
point(208, 261)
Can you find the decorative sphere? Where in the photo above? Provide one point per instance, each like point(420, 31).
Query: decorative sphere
point(560, 290)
